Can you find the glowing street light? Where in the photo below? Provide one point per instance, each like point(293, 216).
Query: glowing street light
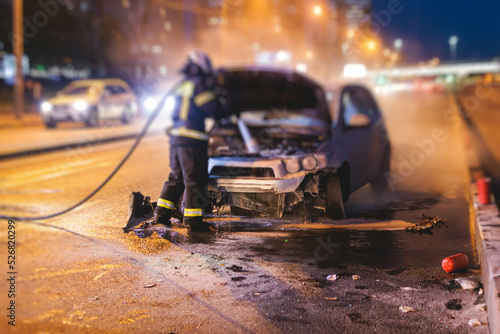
point(371, 45)
point(317, 10)
point(453, 47)
point(350, 33)
point(398, 44)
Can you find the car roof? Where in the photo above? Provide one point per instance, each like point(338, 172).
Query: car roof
point(107, 81)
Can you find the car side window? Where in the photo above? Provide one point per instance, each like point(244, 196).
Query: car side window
point(115, 89)
point(332, 98)
point(120, 90)
point(357, 101)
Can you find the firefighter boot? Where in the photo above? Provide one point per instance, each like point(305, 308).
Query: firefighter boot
point(196, 224)
point(161, 217)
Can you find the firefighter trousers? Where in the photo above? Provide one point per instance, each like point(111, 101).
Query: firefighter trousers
point(189, 173)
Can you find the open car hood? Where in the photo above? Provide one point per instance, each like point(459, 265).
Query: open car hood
point(265, 89)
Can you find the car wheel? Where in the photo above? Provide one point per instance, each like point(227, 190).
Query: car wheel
point(50, 123)
point(127, 115)
point(93, 119)
point(334, 201)
point(380, 183)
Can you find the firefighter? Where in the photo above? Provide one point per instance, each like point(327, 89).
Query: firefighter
point(195, 101)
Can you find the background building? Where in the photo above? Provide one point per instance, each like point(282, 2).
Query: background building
point(137, 39)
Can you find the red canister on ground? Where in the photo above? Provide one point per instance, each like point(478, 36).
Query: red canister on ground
point(483, 190)
point(455, 262)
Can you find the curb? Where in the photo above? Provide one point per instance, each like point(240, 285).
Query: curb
point(485, 224)
point(74, 145)
point(487, 237)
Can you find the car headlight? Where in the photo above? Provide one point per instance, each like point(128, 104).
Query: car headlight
point(46, 106)
point(80, 105)
point(292, 165)
point(150, 104)
point(170, 104)
point(309, 163)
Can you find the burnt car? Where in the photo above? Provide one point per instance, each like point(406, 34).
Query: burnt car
point(293, 147)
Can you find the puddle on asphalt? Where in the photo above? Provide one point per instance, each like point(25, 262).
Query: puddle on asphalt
point(374, 242)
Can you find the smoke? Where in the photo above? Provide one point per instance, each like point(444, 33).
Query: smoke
point(284, 35)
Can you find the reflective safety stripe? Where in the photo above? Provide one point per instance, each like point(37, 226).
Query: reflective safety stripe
point(184, 132)
point(186, 90)
point(193, 212)
point(166, 204)
point(203, 98)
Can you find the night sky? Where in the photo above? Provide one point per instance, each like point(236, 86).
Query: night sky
point(426, 25)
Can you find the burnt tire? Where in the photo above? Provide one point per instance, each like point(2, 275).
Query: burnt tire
point(334, 199)
point(380, 183)
point(128, 115)
point(50, 123)
point(93, 119)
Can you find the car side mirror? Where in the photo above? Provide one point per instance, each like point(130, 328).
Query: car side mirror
point(359, 121)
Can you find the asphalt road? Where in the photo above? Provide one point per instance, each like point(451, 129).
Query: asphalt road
point(81, 273)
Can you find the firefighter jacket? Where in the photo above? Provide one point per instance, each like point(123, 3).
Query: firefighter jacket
point(194, 102)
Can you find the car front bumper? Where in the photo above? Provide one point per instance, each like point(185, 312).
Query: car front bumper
point(66, 113)
point(257, 185)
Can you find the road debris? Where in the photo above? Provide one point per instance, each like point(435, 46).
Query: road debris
point(94, 298)
point(331, 298)
point(454, 304)
point(238, 279)
point(481, 307)
point(256, 293)
point(480, 292)
point(407, 288)
point(356, 277)
point(455, 262)
point(236, 269)
point(332, 277)
point(406, 309)
point(355, 318)
point(467, 284)
point(427, 224)
point(150, 285)
point(475, 323)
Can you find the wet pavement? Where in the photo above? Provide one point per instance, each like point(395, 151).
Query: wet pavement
point(81, 272)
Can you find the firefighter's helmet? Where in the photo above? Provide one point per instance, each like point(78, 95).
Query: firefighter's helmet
point(201, 61)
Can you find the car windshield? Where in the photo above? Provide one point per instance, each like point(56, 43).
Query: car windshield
point(81, 90)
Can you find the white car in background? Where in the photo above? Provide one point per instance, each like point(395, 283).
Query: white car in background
point(90, 101)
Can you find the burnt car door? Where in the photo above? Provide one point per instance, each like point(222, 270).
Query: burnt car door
point(362, 134)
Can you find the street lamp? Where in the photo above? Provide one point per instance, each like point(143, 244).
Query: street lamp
point(398, 44)
point(317, 10)
point(371, 45)
point(350, 33)
point(453, 47)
